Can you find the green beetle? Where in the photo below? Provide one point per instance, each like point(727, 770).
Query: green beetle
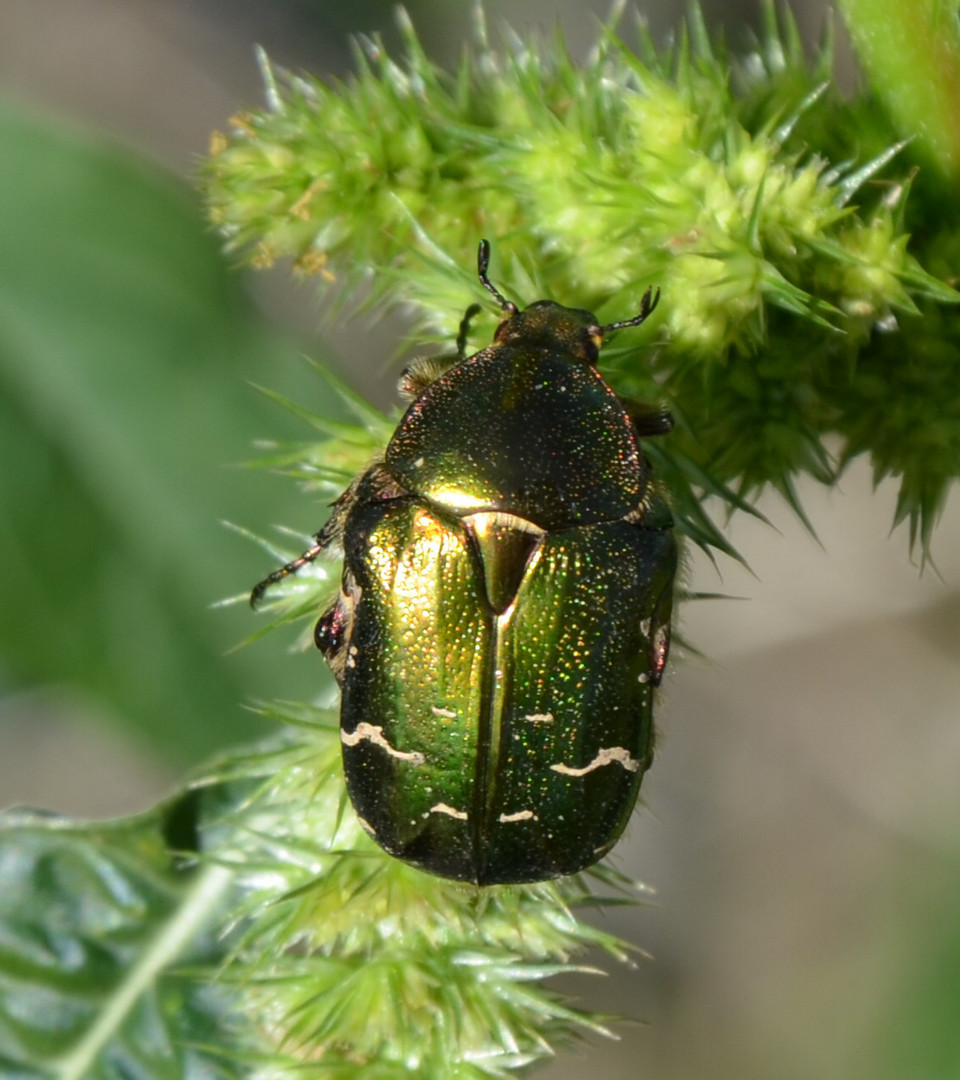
point(505, 606)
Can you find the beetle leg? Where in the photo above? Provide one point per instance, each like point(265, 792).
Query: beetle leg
point(473, 309)
point(376, 483)
point(649, 419)
point(659, 645)
point(423, 371)
point(420, 373)
point(330, 534)
point(653, 518)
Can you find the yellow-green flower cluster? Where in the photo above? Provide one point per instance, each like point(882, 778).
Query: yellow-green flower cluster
point(598, 178)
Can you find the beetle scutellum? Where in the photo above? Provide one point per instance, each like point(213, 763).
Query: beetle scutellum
point(505, 606)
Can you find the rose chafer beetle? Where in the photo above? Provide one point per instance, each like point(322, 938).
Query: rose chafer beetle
point(504, 614)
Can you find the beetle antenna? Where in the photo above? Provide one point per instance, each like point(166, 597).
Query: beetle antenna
point(483, 261)
point(646, 309)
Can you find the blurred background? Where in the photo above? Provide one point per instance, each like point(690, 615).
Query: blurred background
point(801, 826)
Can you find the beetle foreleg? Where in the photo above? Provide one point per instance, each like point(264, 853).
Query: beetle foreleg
point(423, 371)
point(473, 309)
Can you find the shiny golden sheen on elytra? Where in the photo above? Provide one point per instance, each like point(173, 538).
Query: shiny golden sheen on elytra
point(504, 614)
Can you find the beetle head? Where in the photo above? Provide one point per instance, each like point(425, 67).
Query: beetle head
point(548, 325)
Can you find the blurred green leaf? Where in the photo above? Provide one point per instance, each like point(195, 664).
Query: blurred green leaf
point(126, 346)
point(93, 923)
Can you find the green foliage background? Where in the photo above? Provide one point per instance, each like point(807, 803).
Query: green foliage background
point(125, 345)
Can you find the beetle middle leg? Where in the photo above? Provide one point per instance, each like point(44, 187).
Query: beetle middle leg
point(329, 535)
point(373, 485)
point(649, 419)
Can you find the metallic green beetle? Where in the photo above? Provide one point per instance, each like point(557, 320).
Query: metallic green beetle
point(505, 607)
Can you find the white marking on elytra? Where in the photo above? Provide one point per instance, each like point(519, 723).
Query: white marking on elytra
point(643, 677)
point(442, 808)
point(366, 826)
point(606, 756)
point(540, 717)
point(418, 463)
point(645, 627)
point(450, 714)
point(520, 815)
point(374, 733)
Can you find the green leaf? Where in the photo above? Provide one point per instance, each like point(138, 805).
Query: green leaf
point(97, 924)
